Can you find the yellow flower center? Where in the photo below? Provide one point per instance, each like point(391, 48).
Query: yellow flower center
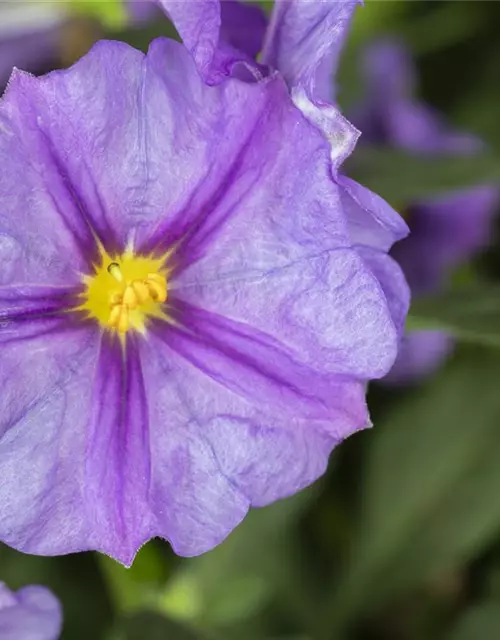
point(125, 290)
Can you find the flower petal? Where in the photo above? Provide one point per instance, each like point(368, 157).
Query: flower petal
point(148, 471)
point(35, 195)
point(33, 613)
point(158, 125)
point(337, 130)
point(270, 428)
point(46, 381)
point(296, 276)
point(23, 303)
point(372, 222)
point(301, 34)
point(198, 23)
point(393, 282)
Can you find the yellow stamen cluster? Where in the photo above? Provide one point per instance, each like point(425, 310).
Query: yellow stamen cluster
point(136, 294)
point(125, 290)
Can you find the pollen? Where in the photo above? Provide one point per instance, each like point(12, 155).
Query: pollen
point(125, 290)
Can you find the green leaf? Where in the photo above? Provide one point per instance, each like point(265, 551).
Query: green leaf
point(111, 13)
point(152, 626)
point(236, 579)
point(430, 494)
point(470, 313)
point(479, 623)
point(136, 587)
point(402, 177)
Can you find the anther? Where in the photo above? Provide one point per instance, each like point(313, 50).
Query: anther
point(157, 287)
point(119, 318)
point(141, 291)
point(130, 297)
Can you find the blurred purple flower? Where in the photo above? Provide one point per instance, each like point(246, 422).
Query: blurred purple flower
point(193, 331)
point(446, 230)
point(32, 613)
point(29, 36)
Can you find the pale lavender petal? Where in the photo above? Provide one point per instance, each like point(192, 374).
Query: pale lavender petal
point(393, 282)
point(301, 33)
point(337, 130)
point(148, 472)
point(46, 394)
point(198, 23)
point(372, 222)
point(33, 613)
point(271, 429)
point(36, 194)
point(421, 353)
point(165, 466)
point(169, 138)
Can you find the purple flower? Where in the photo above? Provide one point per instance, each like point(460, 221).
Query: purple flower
point(29, 36)
point(190, 307)
point(32, 613)
point(446, 230)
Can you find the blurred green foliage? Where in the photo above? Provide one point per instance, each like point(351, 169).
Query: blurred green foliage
point(401, 540)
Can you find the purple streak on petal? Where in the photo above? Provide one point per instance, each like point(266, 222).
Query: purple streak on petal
point(269, 439)
point(195, 505)
point(27, 302)
point(300, 258)
point(421, 354)
point(129, 100)
point(327, 305)
point(33, 613)
point(117, 458)
point(35, 195)
point(301, 34)
point(46, 386)
point(298, 277)
point(233, 172)
point(264, 370)
point(243, 26)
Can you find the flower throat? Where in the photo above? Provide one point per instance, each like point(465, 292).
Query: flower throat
point(125, 290)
